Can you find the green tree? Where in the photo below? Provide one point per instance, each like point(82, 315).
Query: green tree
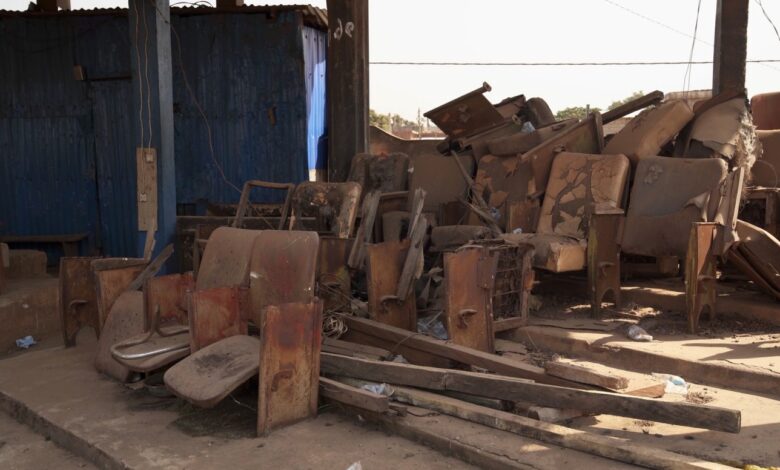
point(635, 95)
point(574, 112)
point(381, 121)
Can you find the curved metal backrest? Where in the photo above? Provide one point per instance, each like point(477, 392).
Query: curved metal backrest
point(282, 268)
point(225, 261)
point(332, 207)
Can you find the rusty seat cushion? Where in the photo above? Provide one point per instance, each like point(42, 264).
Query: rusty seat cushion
point(556, 253)
point(578, 184)
point(650, 130)
point(667, 196)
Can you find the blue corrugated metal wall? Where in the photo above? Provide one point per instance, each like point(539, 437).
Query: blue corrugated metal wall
point(66, 158)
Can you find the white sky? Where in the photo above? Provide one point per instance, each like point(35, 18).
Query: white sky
point(543, 31)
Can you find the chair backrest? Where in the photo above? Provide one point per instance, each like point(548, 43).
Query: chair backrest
point(667, 196)
point(331, 207)
point(650, 130)
point(225, 261)
point(382, 172)
point(578, 184)
point(766, 111)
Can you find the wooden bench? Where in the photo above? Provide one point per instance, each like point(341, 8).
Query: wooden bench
point(70, 242)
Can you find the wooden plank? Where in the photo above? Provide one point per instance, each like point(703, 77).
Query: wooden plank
point(62, 238)
point(356, 348)
point(289, 364)
point(582, 374)
point(451, 351)
point(602, 446)
point(505, 345)
point(508, 388)
point(415, 356)
point(625, 109)
point(637, 384)
point(152, 268)
point(353, 396)
point(146, 186)
point(469, 276)
point(385, 263)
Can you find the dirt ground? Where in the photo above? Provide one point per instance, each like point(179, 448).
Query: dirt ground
point(22, 449)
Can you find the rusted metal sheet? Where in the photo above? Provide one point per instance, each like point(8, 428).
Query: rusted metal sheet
point(383, 271)
point(325, 207)
point(151, 351)
point(386, 173)
point(125, 320)
point(208, 376)
point(290, 338)
point(334, 285)
point(112, 277)
point(283, 268)
point(504, 181)
point(514, 278)
point(761, 251)
point(467, 114)
point(78, 300)
point(604, 258)
point(700, 273)
point(469, 276)
point(584, 137)
point(166, 297)
point(225, 261)
point(217, 313)
point(766, 110)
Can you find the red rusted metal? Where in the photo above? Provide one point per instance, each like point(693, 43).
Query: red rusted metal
point(243, 203)
point(78, 301)
point(334, 283)
point(469, 277)
point(328, 208)
point(700, 273)
point(290, 337)
point(383, 271)
point(112, 277)
point(283, 268)
point(225, 260)
point(165, 296)
point(466, 115)
point(604, 258)
point(217, 313)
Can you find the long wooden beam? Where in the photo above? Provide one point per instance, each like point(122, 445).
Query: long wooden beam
point(509, 388)
point(602, 446)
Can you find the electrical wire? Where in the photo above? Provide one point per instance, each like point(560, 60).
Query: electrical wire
point(140, 82)
point(565, 64)
point(689, 69)
point(766, 15)
point(659, 23)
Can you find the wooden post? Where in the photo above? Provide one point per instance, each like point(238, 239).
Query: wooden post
point(151, 64)
point(347, 75)
point(730, 46)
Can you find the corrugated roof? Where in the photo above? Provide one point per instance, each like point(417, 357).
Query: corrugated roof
point(312, 16)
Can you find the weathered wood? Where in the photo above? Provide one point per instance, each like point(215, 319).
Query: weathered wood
point(415, 356)
point(608, 447)
point(353, 396)
point(355, 349)
point(357, 255)
point(383, 271)
point(730, 51)
point(451, 351)
point(582, 374)
point(418, 227)
point(508, 388)
point(290, 337)
point(505, 345)
point(152, 268)
point(625, 109)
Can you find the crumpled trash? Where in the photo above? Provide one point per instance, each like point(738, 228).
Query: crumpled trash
point(637, 333)
point(674, 384)
point(432, 326)
point(527, 127)
point(355, 466)
point(25, 342)
point(399, 359)
point(379, 389)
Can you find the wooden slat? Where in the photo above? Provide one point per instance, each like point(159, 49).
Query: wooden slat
point(602, 446)
point(507, 388)
point(582, 374)
point(353, 396)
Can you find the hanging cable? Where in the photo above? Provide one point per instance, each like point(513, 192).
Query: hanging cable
point(689, 69)
point(766, 15)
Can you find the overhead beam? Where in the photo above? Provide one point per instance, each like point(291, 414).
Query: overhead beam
point(152, 86)
point(731, 22)
point(347, 76)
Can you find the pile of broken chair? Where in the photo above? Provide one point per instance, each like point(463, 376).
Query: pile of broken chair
point(447, 237)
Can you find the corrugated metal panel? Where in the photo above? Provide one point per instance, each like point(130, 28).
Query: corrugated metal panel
point(247, 74)
point(64, 143)
point(315, 52)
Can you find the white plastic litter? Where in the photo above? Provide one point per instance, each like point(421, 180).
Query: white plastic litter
point(379, 389)
point(355, 466)
point(637, 333)
point(674, 384)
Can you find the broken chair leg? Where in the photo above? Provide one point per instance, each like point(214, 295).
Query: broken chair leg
point(604, 259)
point(700, 274)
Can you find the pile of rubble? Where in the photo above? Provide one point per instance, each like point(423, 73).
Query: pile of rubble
point(385, 292)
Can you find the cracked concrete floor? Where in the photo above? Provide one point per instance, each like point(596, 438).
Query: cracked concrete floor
point(22, 449)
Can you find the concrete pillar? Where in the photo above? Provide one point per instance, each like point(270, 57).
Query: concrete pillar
point(347, 76)
point(731, 22)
